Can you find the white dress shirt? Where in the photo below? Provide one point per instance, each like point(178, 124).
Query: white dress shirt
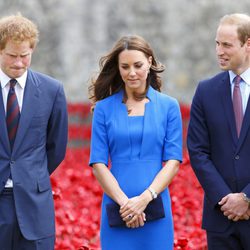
point(244, 86)
point(19, 89)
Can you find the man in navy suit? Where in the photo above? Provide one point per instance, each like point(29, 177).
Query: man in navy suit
point(38, 146)
point(219, 142)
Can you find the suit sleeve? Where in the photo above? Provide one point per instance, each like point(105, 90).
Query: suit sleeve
point(198, 142)
point(246, 190)
point(99, 150)
point(57, 132)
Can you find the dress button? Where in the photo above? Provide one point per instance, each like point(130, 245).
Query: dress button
point(237, 157)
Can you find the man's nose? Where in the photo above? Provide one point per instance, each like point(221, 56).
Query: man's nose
point(219, 50)
point(18, 62)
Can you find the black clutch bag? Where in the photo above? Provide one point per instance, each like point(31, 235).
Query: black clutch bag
point(153, 211)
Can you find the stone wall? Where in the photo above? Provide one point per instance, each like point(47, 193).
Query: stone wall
point(75, 34)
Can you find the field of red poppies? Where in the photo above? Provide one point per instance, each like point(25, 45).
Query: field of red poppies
point(77, 194)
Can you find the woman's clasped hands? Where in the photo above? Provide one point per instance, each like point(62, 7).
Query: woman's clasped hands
point(132, 212)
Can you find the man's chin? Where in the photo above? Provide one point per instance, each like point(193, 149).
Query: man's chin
point(223, 67)
point(16, 74)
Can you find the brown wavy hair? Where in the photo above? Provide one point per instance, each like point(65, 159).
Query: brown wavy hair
point(109, 81)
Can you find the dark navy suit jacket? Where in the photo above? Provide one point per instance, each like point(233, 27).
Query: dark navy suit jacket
point(39, 148)
point(220, 160)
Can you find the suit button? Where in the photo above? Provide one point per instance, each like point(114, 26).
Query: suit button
point(237, 157)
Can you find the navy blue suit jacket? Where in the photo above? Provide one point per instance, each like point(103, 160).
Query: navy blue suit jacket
point(39, 148)
point(220, 160)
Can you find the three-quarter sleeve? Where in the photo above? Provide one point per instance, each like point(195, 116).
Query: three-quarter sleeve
point(173, 139)
point(99, 150)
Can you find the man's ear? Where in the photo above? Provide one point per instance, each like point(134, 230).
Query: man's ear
point(248, 45)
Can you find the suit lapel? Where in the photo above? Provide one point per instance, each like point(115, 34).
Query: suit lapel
point(226, 97)
point(30, 106)
point(3, 127)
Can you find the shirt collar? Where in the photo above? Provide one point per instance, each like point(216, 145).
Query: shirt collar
point(4, 79)
point(245, 76)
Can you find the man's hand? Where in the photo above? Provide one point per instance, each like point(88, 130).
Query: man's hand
point(234, 207)
point(246, 216)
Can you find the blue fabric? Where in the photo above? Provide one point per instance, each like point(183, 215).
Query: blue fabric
point(219, 158)
point(11, 236)
point(39, 147)
point(157, 137)
point(235, 237)
point(135, 125)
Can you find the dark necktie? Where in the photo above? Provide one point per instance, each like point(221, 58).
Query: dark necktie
point(237, 104)
point(12, 112)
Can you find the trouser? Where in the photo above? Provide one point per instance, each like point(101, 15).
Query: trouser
point(236, 237)
point(11, 237)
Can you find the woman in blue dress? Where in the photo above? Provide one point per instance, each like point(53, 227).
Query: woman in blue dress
point(137, 130)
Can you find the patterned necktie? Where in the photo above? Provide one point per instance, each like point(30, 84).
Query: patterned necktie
point(237, 104)
point(12, 112)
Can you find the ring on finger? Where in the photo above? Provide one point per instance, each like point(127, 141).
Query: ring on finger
point(130, 216)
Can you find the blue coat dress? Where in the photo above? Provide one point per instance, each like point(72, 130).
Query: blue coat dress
point(136, 149)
